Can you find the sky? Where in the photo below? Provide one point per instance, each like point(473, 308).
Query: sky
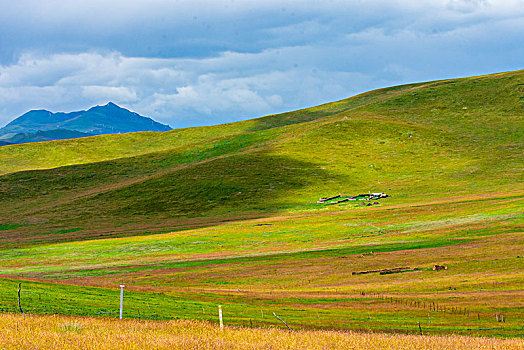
point(200, 62)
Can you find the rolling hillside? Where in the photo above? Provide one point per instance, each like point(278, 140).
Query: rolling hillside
point(416, 141)
point(228, 213)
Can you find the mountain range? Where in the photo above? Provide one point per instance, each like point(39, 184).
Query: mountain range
point(43, 125)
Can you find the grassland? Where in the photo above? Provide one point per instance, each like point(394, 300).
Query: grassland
point(52, 332)
point(193, 218)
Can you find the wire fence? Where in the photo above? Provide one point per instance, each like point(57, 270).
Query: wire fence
point(101, 302)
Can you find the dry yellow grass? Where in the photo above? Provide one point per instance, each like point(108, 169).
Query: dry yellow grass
point(61, 332)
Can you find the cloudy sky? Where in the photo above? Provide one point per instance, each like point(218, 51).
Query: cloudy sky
point(203, 62)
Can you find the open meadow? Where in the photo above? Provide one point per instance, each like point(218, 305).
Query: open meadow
point(228, 215)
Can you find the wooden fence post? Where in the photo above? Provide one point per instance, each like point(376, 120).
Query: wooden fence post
point(19, 302)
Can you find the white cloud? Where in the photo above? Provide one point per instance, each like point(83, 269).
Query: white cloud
point(109, 93)
point(181, 92)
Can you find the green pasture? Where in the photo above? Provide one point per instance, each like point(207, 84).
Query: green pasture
point(363, 229)
point(299, 267)
point(299, 313)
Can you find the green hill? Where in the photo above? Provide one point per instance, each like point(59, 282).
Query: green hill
point(425, 140)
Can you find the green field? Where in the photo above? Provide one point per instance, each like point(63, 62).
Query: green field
point(193, 218)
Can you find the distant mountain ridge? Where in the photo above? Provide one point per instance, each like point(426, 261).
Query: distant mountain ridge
point(36, 125)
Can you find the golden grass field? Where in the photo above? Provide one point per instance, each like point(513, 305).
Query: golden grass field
point(62, 332)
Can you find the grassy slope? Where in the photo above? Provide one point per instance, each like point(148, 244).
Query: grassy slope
point(106, 147)
point(449, 153)
point(412, 141)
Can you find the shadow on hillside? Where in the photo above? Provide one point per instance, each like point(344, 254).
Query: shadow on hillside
point(221, 187)
point(241, 186)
